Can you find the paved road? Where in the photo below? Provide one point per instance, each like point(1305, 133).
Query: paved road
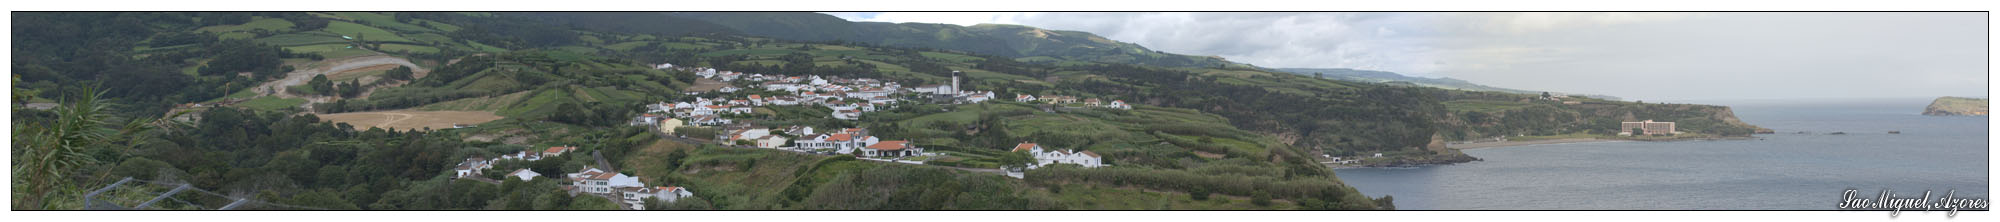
point(606, 165)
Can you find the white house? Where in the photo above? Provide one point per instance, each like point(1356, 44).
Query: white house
point(636, 196)
point(729, 89)
point(731, 136)
point(977, 97)
point(1045, 157)
point(881, 100)
point(707, 120)
point(664, 66)
point(557, 151)
point(667, 126)
point(893, 148)
point(933, 89)
point(847, 114)
point(799, 130)
point(706, 73)
point(523, 155)
point(787, 87)
point(1118, 104)
point(840, 142)
point(770, 141)
point(524, 174)
point(593, 180)
point(1024, 98)
point(646, 119)
point(472, 167)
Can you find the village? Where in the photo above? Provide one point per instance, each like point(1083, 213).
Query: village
point(848, 98)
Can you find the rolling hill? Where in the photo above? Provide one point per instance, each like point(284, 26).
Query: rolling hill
point(1357, 75)
point(988, 39)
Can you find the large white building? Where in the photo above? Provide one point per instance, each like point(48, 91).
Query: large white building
point(596, 181)
point(840, 142)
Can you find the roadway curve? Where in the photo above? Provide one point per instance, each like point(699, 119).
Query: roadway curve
point(300, 77)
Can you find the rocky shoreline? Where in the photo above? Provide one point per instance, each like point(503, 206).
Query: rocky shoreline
point(1460, 157)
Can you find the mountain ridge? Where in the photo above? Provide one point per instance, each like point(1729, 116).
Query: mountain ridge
point(1016, 40)
point(1374, 76)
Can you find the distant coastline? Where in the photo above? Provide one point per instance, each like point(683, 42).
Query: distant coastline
point(1483, 145)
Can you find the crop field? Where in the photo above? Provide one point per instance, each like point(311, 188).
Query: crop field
point(410, 119)
point(359, 31)
point(300, 39)
point(272, 24)
point(330, 50)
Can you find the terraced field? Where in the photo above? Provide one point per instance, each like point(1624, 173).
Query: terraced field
point(411, 119)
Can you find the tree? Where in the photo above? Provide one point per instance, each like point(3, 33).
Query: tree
point(1016, 159)
point(592, 203)
point(1317, 75)
point(1260, 198)
point(50, 152)
point(1198, 193)
point(320, 85)
point(399, 73)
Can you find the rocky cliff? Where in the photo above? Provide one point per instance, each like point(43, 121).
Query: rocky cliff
point(1956, 106)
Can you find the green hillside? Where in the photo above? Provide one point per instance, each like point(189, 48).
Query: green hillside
point(998, 40)
point(1204, 133)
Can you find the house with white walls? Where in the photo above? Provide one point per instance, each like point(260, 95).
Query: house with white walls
point(524, 174)
point(1044, 157)
point(596, 181)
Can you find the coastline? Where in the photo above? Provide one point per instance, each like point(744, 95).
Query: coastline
point(1468, 146)
point(1459, 157)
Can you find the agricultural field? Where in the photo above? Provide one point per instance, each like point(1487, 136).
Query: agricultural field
point(267, 24)
point(363, 32)
point(1482, 105)
point(411, 119)
point(301, 39)
point(270, 103)
point(332, 50)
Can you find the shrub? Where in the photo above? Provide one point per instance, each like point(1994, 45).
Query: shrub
point(1260, 198)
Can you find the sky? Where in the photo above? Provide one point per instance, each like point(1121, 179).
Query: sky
point(1635, 55)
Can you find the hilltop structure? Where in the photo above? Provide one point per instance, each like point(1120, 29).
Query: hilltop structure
point(1647, 127)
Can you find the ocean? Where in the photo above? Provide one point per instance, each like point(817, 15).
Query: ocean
point(1782, 171)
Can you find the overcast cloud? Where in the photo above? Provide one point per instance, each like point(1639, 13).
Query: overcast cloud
point(1646, 56)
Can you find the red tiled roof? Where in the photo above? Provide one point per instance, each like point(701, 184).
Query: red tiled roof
point(1023, 147)
point(891, 145)
point(840, 137)
point(558, 149)
point(604, 176)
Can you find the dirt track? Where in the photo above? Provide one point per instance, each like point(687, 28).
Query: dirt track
point(330, 67)
point(410, 119)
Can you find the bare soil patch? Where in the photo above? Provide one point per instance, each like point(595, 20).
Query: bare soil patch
point(410, 119)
